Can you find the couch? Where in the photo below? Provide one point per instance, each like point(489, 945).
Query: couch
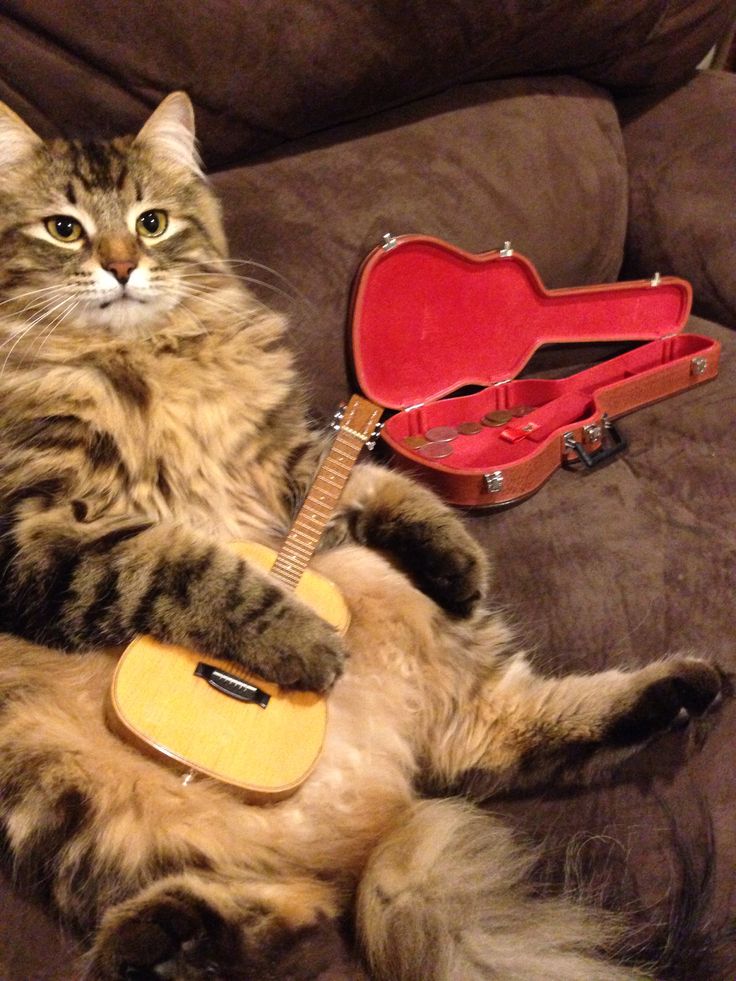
point(585, 134)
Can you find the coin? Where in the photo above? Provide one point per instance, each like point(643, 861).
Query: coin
point(498, 418)
point(441, 434)
point(469, 428)
point(435, 451)
point(413, 442)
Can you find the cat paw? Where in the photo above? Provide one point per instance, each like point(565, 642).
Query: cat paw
point(295, 648)
point(688, 687)
point(437, 553)
point(174, 935)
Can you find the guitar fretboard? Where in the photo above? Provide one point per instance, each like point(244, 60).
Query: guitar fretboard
point(321, 501)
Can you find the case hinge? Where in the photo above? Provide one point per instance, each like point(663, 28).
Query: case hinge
point(389, 242)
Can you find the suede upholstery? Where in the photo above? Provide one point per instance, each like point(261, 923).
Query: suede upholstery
point(582, 133)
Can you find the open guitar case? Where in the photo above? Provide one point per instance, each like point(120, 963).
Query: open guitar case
point(441, 337)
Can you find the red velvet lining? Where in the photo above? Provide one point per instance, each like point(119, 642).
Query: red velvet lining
point(429, 318)
point(558, 404)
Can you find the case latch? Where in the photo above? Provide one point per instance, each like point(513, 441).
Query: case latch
point(493, 482)
point(389, 242)
point(698, 366)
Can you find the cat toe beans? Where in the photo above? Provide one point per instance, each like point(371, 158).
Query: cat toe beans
point(173, 935)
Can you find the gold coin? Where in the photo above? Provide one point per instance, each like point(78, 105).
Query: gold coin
point(469, 428)
point(414, 442)
point(498, 418)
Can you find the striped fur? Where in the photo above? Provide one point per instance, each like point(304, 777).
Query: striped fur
point(150, 413)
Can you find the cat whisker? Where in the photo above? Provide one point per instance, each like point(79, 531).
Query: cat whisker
point(43, 289)
point(252, 281)
point(244, 262)
point(203, 295)
point(56, 323)
point(38, 318)
point(37, 304)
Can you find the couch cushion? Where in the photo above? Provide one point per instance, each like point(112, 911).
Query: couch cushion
point(619, 567)
point(681, 148)
point(265, 71)
point(477, 166)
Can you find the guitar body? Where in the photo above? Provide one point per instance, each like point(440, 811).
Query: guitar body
point(212, 718)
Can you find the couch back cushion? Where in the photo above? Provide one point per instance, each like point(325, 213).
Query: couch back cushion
point(536, 161)
point(265, 71)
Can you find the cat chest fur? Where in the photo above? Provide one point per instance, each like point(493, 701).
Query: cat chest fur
point(177, 428)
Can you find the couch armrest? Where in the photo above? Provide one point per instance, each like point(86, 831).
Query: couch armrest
point(681, 149)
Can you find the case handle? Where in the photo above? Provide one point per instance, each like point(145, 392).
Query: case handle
point(616, 444)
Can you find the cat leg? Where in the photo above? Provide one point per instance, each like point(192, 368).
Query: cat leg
point(525, 730)
point(446, 897)
point(76, 586)
point(388, 512)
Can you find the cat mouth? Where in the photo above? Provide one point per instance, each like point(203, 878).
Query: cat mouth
point(120, 299)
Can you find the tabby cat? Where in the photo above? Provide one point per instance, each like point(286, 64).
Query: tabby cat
point(149, 414)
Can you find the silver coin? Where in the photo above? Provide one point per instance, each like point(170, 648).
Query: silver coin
point(435, 451)
point(441, 434)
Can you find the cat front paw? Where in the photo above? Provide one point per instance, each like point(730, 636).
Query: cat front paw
point(436, 552)
point(295, 648)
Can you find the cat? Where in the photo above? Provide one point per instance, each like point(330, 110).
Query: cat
point(150, 412)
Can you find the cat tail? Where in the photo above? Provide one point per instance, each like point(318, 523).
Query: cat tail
point(447, 897)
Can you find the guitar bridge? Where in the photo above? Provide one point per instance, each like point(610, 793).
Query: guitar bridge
point(230, 684)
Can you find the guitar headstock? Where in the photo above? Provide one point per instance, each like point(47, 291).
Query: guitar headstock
point(360, 418)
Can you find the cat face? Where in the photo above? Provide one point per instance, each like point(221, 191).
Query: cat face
point(110, 237)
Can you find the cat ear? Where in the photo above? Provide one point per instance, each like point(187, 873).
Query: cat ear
point(169, 132)
point(17, 141)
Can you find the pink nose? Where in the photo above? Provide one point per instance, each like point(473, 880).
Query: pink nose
point(121, 269)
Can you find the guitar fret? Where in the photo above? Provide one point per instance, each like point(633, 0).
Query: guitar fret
point(335, 462)
point(296, 546)
point(341, 476)
point(324, 510)
point(317, 524)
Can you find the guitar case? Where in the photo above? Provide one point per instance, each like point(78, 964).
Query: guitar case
point(443, 338)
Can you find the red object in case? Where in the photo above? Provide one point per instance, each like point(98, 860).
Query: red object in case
point(429, 319)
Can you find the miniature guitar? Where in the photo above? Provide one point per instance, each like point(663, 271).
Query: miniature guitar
point(209, 715)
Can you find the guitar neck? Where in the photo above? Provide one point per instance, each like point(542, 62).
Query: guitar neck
point(357, 425)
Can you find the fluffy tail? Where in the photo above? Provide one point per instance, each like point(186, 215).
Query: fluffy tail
point(446, 897)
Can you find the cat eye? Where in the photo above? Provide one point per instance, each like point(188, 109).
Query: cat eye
point(64, 228)
point(152, 223)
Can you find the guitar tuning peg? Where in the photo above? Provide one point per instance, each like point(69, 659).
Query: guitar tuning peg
point(374, 436)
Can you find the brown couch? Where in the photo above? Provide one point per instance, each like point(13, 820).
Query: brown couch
point(583, 133)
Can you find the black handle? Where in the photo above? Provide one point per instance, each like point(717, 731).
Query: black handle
point(616, 444)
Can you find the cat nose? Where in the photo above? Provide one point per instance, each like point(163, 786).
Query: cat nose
point(121, 269)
